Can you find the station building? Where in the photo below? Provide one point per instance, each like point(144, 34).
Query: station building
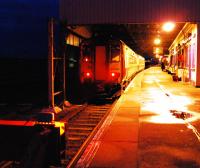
point(183, 54)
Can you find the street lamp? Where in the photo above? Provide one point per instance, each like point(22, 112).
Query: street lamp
point(157, 41)
point(168, 26)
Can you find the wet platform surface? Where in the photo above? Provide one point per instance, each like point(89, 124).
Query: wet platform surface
point(155, 123)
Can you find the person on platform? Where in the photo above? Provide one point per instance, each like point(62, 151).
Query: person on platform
point(162, 65)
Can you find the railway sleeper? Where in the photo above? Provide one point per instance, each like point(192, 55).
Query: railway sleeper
point(97, 114)
point(73, 133)
point(73, 146)
point(93, 112)
point(86, 121)
point(70, 153)
point(81, 136)
point(91, 117)
point(77, 142)
point(78, 129)
point(97, 109)
point(77, 124)
point(89, 120)
point(82, 124)
point(87, 115)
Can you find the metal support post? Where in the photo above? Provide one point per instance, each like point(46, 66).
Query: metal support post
point(51, 62)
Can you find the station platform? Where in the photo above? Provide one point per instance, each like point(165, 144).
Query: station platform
point(154, 123)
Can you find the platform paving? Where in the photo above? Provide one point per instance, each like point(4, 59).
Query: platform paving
point(141, 130)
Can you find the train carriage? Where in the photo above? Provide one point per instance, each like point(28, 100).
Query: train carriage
point(109, 65)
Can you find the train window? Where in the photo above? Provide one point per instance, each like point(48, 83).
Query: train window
point(115, 54)
point(86, 50)
point(132, 59)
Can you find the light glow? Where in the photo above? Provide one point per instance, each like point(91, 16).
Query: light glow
point(61, 125)
point(88, 74)
point(113, 74)
point(153, 113)
point(168, 26)
point(157, 56)
point(157, 50)
point(86, 59)
point(157, 41)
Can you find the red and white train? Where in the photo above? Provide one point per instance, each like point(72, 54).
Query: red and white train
point(109, 65)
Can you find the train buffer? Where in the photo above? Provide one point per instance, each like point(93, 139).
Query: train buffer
point(32, 143)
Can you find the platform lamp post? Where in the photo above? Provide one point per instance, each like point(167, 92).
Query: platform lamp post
point(51, 62)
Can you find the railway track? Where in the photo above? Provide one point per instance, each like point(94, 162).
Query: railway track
point(81, 129)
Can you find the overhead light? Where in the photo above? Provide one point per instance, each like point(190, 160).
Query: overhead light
point(168, 26)
point(158, 50)
point(157, 41)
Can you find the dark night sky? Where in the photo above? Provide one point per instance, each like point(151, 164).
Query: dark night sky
point(23, 27)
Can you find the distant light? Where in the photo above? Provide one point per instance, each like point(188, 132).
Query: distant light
point(157, 50)
point(157, 56)
point(169, 26)
point(157, 41)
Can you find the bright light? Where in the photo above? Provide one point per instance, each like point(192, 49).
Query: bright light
point(169, 26)
point(86, 59)
point(61, 125)
point(157, 56)
point(112, 74)
point(152, 109)
point(88, 74)
point(157, 50)
point(157, 41)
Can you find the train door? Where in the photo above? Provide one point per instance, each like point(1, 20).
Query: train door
point(72, 74)
point(100, 63)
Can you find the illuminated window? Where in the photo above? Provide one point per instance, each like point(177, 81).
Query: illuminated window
point(72, 40)
point(76, 41)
